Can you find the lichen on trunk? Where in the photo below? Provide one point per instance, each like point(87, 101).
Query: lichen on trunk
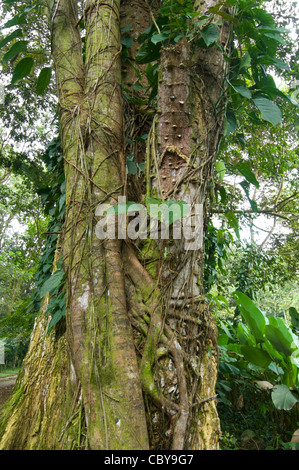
point(136, 365)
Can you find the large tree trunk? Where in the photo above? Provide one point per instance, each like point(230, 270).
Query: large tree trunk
point(136, 365)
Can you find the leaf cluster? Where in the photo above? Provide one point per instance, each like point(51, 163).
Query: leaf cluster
point(261, 348)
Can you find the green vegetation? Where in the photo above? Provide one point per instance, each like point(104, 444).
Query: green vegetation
point(251, 268)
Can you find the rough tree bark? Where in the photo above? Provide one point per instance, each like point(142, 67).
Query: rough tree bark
point(135, 366)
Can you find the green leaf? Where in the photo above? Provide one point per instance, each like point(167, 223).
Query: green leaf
point(254, 318)
point(294, 314)
point(275, 37)
point(245, 62)
point(220, 167)
point(131, 167)
point(43, 80)
point(242, 90)
point(160, 37)
point(22, 69)
point(222, 340)
point(256, 356)
point(233, 222)
point(269, 111)
point(210, 34)
point(280, 64)
point(230, 122)
point(280, 336)
point(55, 319)
point(15, 34)
point(148, 52)
point(246, 185)
point(16, 20)
point(16, 48)
point(127, 41)
point(244, 335)
point(248, 174)
point(52, 283)
point(62, 201)
point(283, 398)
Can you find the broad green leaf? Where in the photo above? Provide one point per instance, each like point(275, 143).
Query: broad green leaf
point(131, 167)
point(244, 335)
point(30, 7)
point(283, 398)
point(148, 52)
point(280, 64)
point(222, 340)
point(16, 48)
point(160, 37)
point(233, 222)
point(245, 62)
point(127, 41)
point(230, 122)
point(294, 314)
point(52, 283)
point(269, 111)
point(15, 34)
point(275, 37)
point(43, 80)
point(16, 20)
point(256, 356)
point(22, 69)
point(62, 201)
point(220, 167)
point(248, 174)
point(246, 185)
point(226, 330)
point(225, 368)
point(210, 34)
point(280, 337)
point(126, 28)
point(242, 90)
point(254, 318)
point(55, 319)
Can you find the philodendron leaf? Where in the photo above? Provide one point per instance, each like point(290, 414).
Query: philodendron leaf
point(220, 167)
point(294, 314)
point(269, 111)
point(210, 34)
point(22, 69)
point(253, 316)
point(246, 171)
point(52, 283)
point(43, 80)
point(283, 398)
point(233, 222)
point(230, 122)
point(16, 48)
point(280, 336)
point(256, 356)
point(242, 90)
point(15, 34)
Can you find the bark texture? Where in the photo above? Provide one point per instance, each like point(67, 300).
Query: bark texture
point(136, 365)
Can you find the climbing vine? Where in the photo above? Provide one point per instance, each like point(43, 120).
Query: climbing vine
point(53, 199)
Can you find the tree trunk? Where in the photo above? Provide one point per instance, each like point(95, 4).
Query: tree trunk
point(135, 365)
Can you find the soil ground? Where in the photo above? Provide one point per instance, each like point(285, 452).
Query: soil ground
point(6, 386)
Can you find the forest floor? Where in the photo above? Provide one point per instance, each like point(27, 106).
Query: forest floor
point(6, 386)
